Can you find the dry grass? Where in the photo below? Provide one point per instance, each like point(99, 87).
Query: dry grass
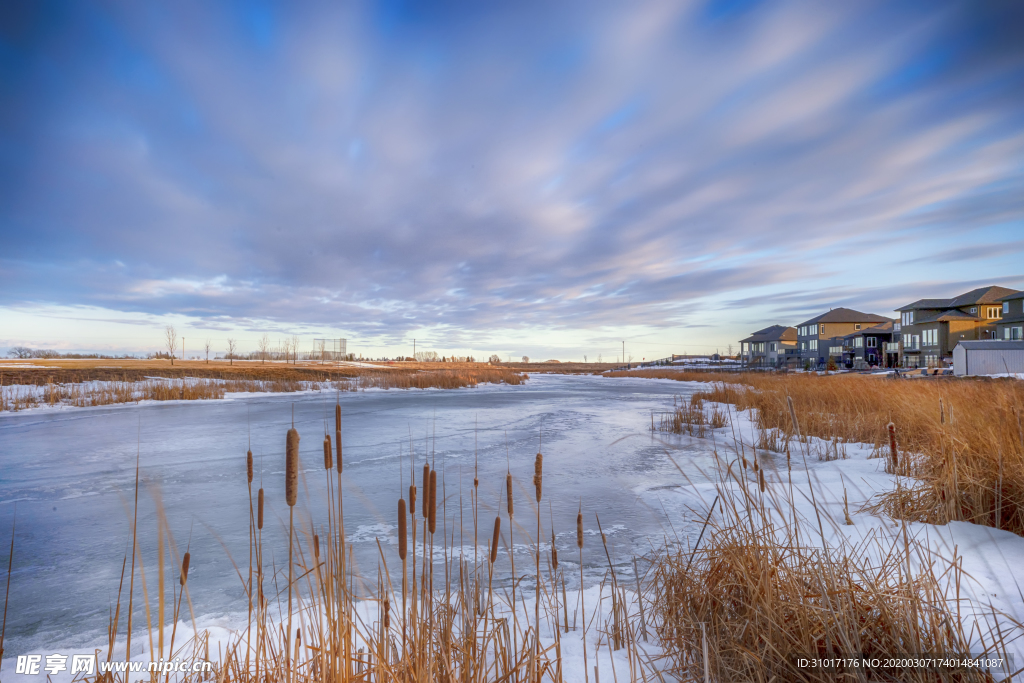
point(78, 393)
point(961, 439)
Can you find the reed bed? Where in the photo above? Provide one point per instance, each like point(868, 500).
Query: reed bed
point(961, 440)
point(20, 397)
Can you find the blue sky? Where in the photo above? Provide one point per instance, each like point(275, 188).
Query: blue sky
point(527, 178)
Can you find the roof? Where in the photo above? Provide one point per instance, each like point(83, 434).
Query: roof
point(951, 315)
point(845, 315)
point(981, 295)
point(773, 333)
point(992, 345)
point(884, 328)
point(1009, 297)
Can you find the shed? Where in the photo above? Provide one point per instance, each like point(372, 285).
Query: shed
point(988, 357)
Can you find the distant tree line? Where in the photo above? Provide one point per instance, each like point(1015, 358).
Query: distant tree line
point(26, 352)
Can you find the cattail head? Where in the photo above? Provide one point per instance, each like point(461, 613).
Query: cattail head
point(291, 467)
point(316, 545)
point(248, 466)
point(387, 613)
point(476, 482)
point(432, 512)
point(328, 460)
point(554, 552)
point(494, 541)
point(402, 541)
point(337, 417)
point(756, 466)
point(426, 490)
point(508, 493)
point(761, 480)
point(579, 529)
point(259, 514)
point(184, 569)
point(337, 448)
point(538, 474)
point(412, 500)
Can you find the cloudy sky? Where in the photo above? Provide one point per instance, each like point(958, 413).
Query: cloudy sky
point(523, 178)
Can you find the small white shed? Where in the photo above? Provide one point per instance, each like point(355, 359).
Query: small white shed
point(988, 357)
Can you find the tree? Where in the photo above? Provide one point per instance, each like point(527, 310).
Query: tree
point(295, 349)
point(263, 346)
point(599, 360)
point(584, 358)
point(729, 350)
point(494, 359)
point(171, 339)
point(206, 347)
point(19, 352)
point(231, 351)
point(526, 359)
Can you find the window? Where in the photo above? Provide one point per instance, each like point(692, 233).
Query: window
point(813, 345)
point(974, 309)
point(1006, 307)
point(802, 331)
point(896, 326)
point(822, 330)
point(992, 312)
point(858, 342)
point(857, 326)
point(908, 318)
point(930, 337)
point(803, 346)
point(872, 343)
point(1016, 333)
point(835, 350)
point(773, 347)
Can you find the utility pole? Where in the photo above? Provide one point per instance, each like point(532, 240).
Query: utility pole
point(414, 349)
point(183, 348)
point(623, 350)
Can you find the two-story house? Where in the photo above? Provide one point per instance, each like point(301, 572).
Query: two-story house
point(814, 336)
point(932, 327)
point(868, 346)
point(768, 347)
point(1011, 326)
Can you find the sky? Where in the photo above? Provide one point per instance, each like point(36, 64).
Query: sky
point(521, 178)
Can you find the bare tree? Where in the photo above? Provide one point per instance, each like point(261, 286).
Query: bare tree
point(231, 351)
point(206, 347)
point(584, 358)
point(295, 349)
point(264, 346)
point(526, 359)
point(171, 339)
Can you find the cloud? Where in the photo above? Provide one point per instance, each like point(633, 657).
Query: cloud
point(382, 168)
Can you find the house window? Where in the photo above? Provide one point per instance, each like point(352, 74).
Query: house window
point(992, 312)
point(773, 347)
point(1006, 307)
point(813, 345)
point(908, 318)
point(822, 331)
point(1015, 333)
point(857, 326)
point(858, 342)
point(872, 342)
point(930, 337)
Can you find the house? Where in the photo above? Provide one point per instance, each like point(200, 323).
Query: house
point(814, 335)
point(868, 346)
point(768, 347)
point(988, 357)
point(1011, 326)
point(932, 327)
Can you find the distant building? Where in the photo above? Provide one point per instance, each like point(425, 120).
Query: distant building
point(814, 336)
point(867, 347)
point(931, 328)
point(768, 347)
point(1011, 326)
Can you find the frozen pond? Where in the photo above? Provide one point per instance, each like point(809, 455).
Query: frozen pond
point(70, 474)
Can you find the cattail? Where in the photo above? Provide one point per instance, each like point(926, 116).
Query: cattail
point(538, 473)
point(893, 453)
point(316, 545)
point(761, 480)
point(328, 462)
point(412, 499)
point(337, 447)
point(579, 529)
point(387, 613)
point(494, 543)
point(942, 413)
point(248, 466)
point(184, 569)
point(554, 552)
point(476, 483)
point(426, 491)
point(432, 517)
point(508, 492)
point(401, 529)
point(291, 475)
point(756, 467)
point(259, 516)
point(744, 462)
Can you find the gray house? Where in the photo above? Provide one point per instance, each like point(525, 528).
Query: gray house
point(1011, 326)
point(868, 346)
point(932, 327)
point(814, 336)
point(769, 347)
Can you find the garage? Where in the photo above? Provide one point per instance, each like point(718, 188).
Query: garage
point(988, 357)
